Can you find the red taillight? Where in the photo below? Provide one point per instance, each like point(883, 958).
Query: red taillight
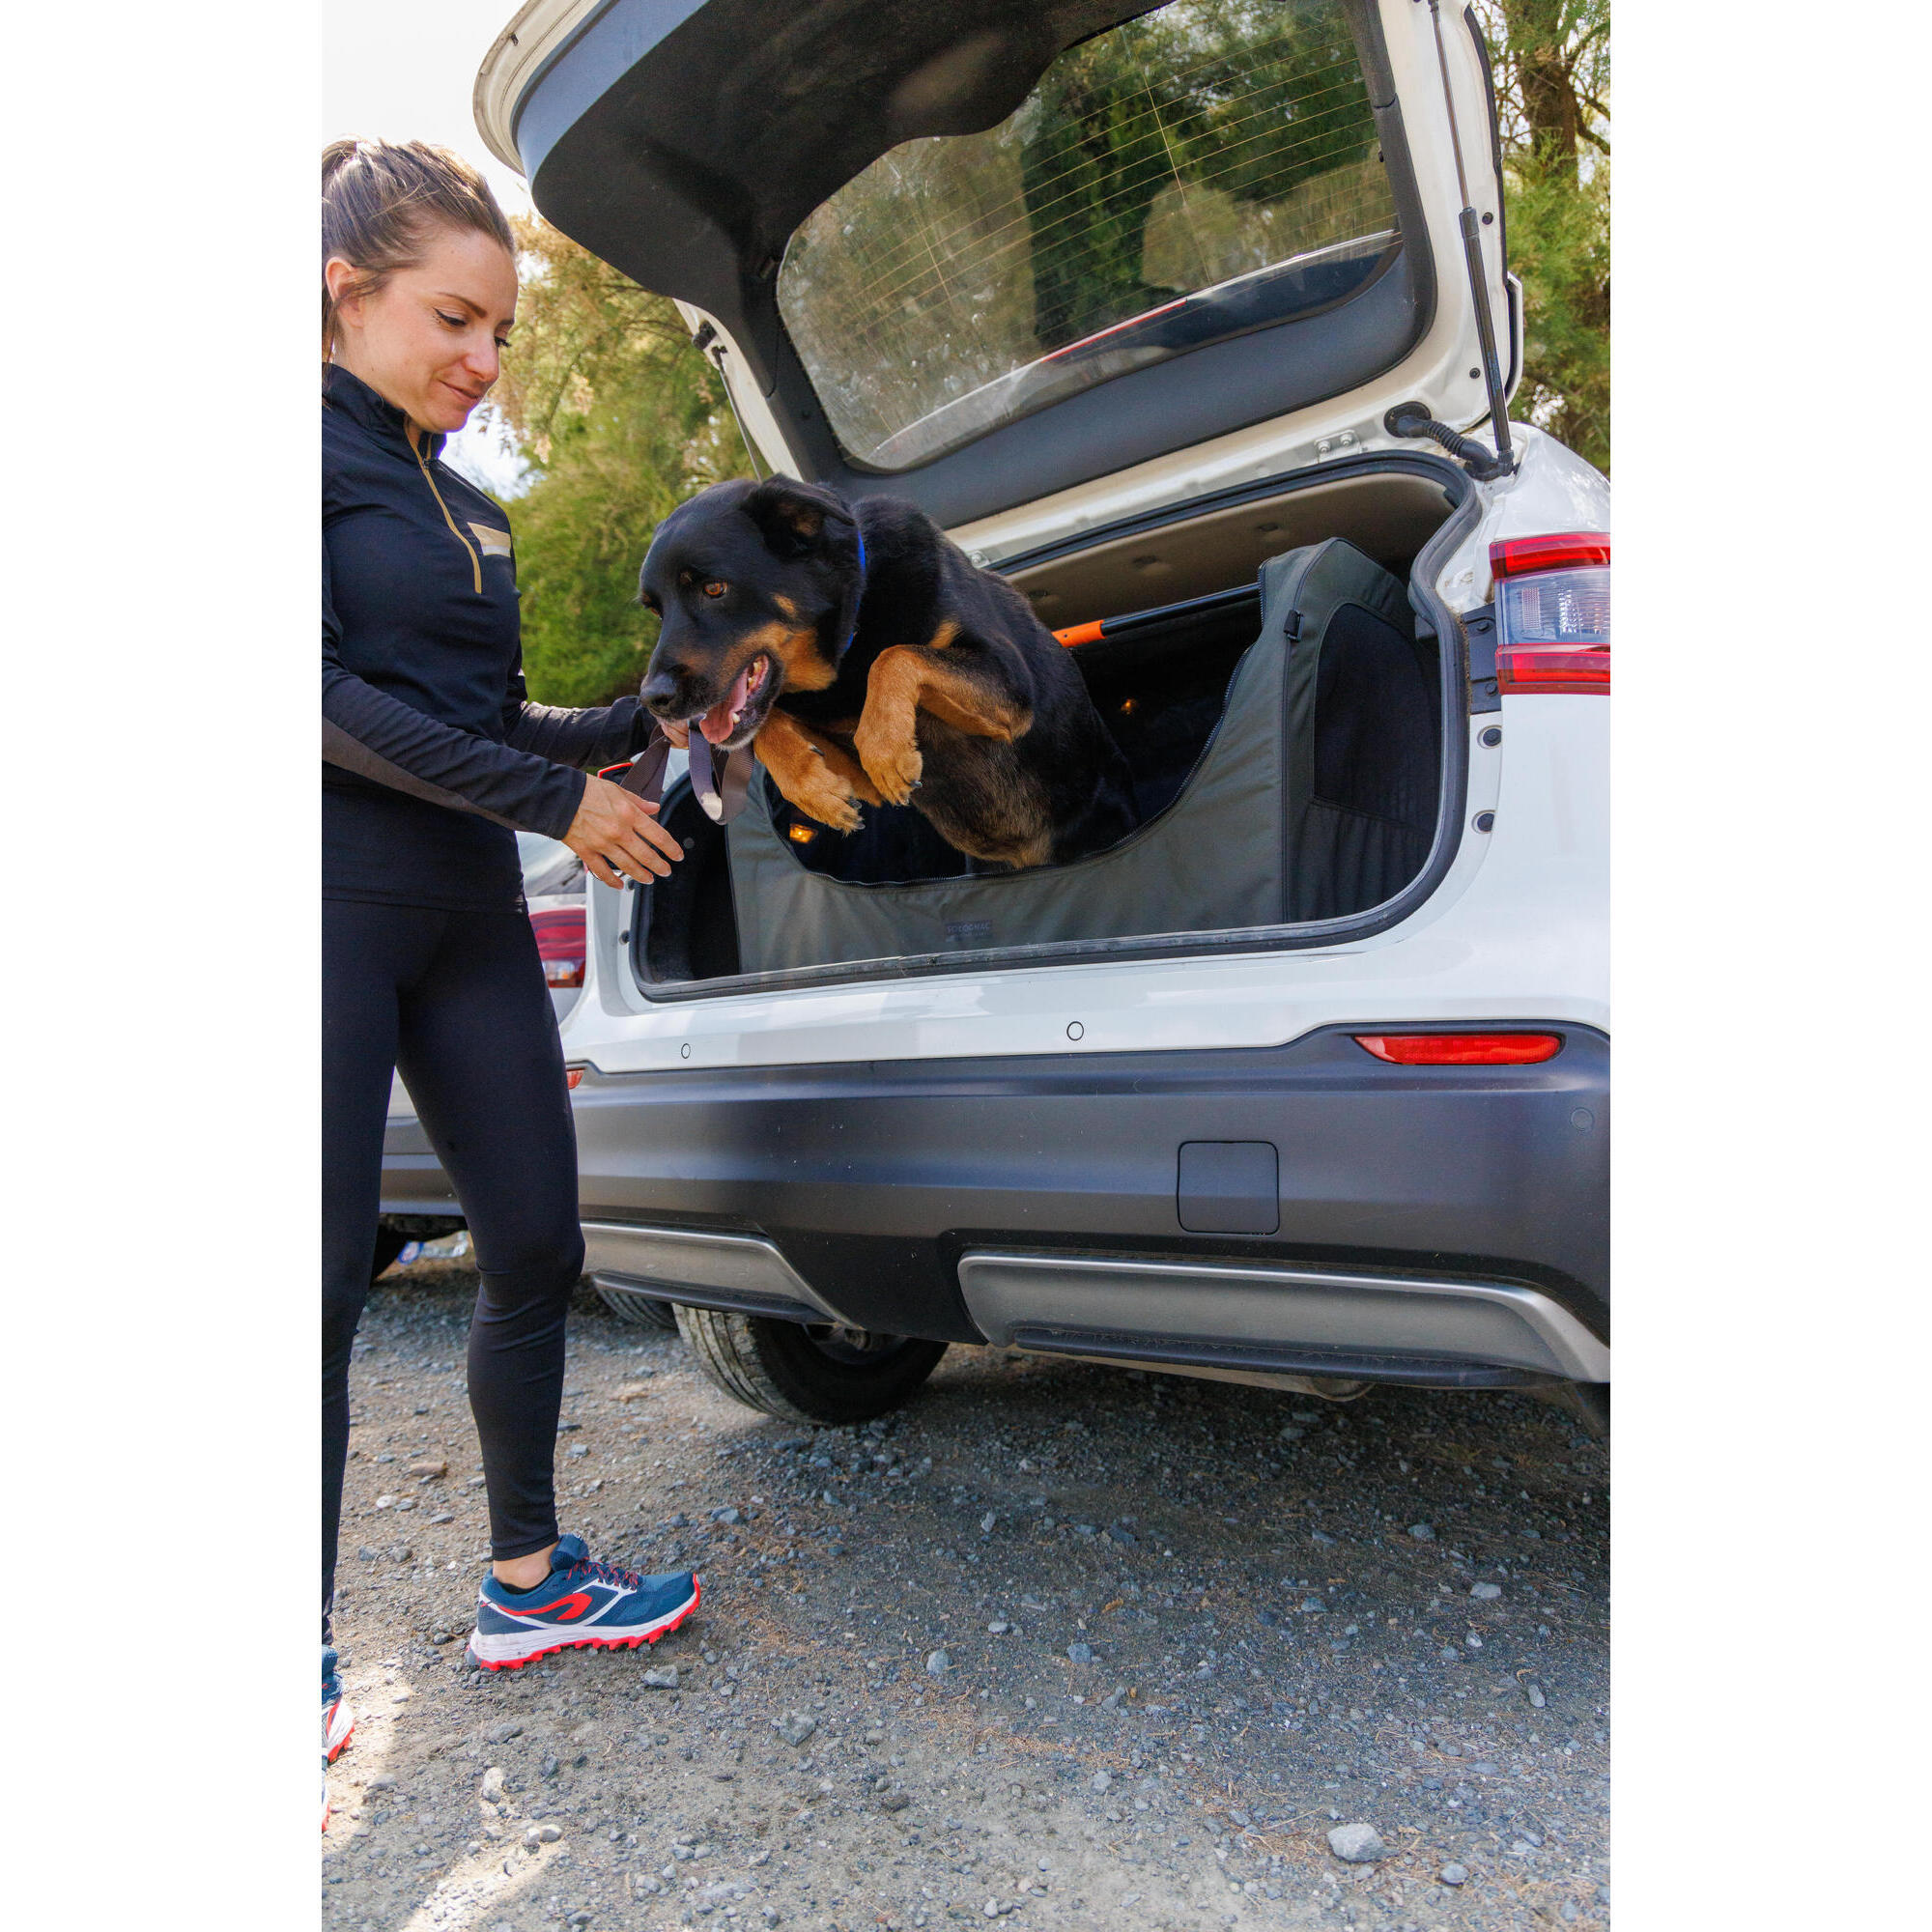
point(572, 1075)
point(560, 944)
point(1517, 556)
point(1552, 612)
point(1460, 1049)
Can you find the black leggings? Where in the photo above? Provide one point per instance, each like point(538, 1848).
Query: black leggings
point(456, 1001)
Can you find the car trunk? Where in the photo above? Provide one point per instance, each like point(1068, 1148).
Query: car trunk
point(1284, 783)
point(1144, 304)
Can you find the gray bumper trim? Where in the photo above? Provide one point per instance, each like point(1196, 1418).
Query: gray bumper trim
point(708, 1270)
point(1288, 1308)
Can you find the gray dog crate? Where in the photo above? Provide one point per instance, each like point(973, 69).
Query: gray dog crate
point(1315, 795)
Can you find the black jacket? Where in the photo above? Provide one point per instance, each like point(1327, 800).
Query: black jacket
point(431, 753)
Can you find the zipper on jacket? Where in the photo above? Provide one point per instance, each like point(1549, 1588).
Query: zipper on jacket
point(468, 550)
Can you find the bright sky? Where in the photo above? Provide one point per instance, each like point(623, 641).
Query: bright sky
point(403, 69)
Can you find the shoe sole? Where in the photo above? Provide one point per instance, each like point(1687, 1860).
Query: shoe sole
point(647, 1633)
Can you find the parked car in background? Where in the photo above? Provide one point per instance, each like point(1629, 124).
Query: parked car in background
point(1195, 324)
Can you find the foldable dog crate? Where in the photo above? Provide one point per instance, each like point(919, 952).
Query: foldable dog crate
point(1314, 795)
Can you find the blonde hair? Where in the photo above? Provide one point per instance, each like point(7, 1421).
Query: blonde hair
point(381, 201)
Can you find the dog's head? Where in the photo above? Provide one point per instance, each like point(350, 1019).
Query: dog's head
point(755, 585)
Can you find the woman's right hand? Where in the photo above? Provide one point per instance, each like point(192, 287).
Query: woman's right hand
point(615, 832)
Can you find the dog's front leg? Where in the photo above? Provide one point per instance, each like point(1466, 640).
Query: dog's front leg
point(904, 681)
point(814, 774)
point(887, 737)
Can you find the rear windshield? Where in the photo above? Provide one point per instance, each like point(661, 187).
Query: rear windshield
point(1208, 168)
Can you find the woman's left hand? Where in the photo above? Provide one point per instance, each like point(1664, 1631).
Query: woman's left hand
point(615, 832)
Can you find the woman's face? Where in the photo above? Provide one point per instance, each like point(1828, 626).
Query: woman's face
point(430, 340)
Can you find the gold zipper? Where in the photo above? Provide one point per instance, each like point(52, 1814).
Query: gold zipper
point(475, 561)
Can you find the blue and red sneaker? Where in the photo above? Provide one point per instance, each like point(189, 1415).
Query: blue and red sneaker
point(581, 1603)
point(337, 1720)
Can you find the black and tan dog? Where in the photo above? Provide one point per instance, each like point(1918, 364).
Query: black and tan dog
point(867, 661)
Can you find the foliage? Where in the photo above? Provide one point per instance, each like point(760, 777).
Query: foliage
point(1551, 60)
point(1243, 102)
point(622, 420)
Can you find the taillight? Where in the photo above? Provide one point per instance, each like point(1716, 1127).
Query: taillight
point(560, 944)
point(572, 1075)
point(1460, 1049)
point(1552, 612)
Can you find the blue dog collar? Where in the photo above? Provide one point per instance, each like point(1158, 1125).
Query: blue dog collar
point(861, 598)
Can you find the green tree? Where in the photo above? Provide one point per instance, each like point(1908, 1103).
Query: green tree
point(621, 420)
point(1551, 60)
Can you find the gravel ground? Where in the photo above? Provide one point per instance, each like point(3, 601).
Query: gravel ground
point(1059, 1644)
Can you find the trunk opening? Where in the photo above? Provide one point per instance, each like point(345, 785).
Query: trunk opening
point(1347, 823)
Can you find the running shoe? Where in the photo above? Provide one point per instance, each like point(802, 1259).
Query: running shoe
point(581, 1603)
point(338, 1722)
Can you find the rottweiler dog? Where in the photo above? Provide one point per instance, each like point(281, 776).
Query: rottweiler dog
point(866, 662)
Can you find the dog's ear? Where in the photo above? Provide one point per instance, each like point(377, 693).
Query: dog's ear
point(792, 516)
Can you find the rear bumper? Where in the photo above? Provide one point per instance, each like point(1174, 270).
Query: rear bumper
point(1433, 1224)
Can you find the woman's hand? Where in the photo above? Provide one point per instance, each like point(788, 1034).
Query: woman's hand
point(617, 832)
point(678, 734)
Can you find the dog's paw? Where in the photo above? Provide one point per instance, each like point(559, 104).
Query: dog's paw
point(823, 796)
point(891, 760)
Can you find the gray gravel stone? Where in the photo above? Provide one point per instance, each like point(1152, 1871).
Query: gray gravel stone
point(1453, 1874)
point(661, 1677)
point(1486, 1593)
point(1423, 1532)
point(1080, 1653)
point(1357, 1844)
point(938, 1662)
point(1102, 1780)
point(501, 1734)
point(794, 1728)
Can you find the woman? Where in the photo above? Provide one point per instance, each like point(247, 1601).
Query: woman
point(430, 757)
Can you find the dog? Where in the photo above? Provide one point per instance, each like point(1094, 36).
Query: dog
point(867, 661)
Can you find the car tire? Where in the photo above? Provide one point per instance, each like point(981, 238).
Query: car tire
point(388, 1245)
point(641, 1311)
point(819, 1374)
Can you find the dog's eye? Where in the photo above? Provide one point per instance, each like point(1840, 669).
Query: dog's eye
point(714, 589)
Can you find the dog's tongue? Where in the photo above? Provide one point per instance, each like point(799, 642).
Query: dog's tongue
point(716, 723)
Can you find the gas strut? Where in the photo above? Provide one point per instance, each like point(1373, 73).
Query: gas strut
point(1413, 419)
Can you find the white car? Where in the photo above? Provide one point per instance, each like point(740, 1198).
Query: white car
point(1195, 324)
